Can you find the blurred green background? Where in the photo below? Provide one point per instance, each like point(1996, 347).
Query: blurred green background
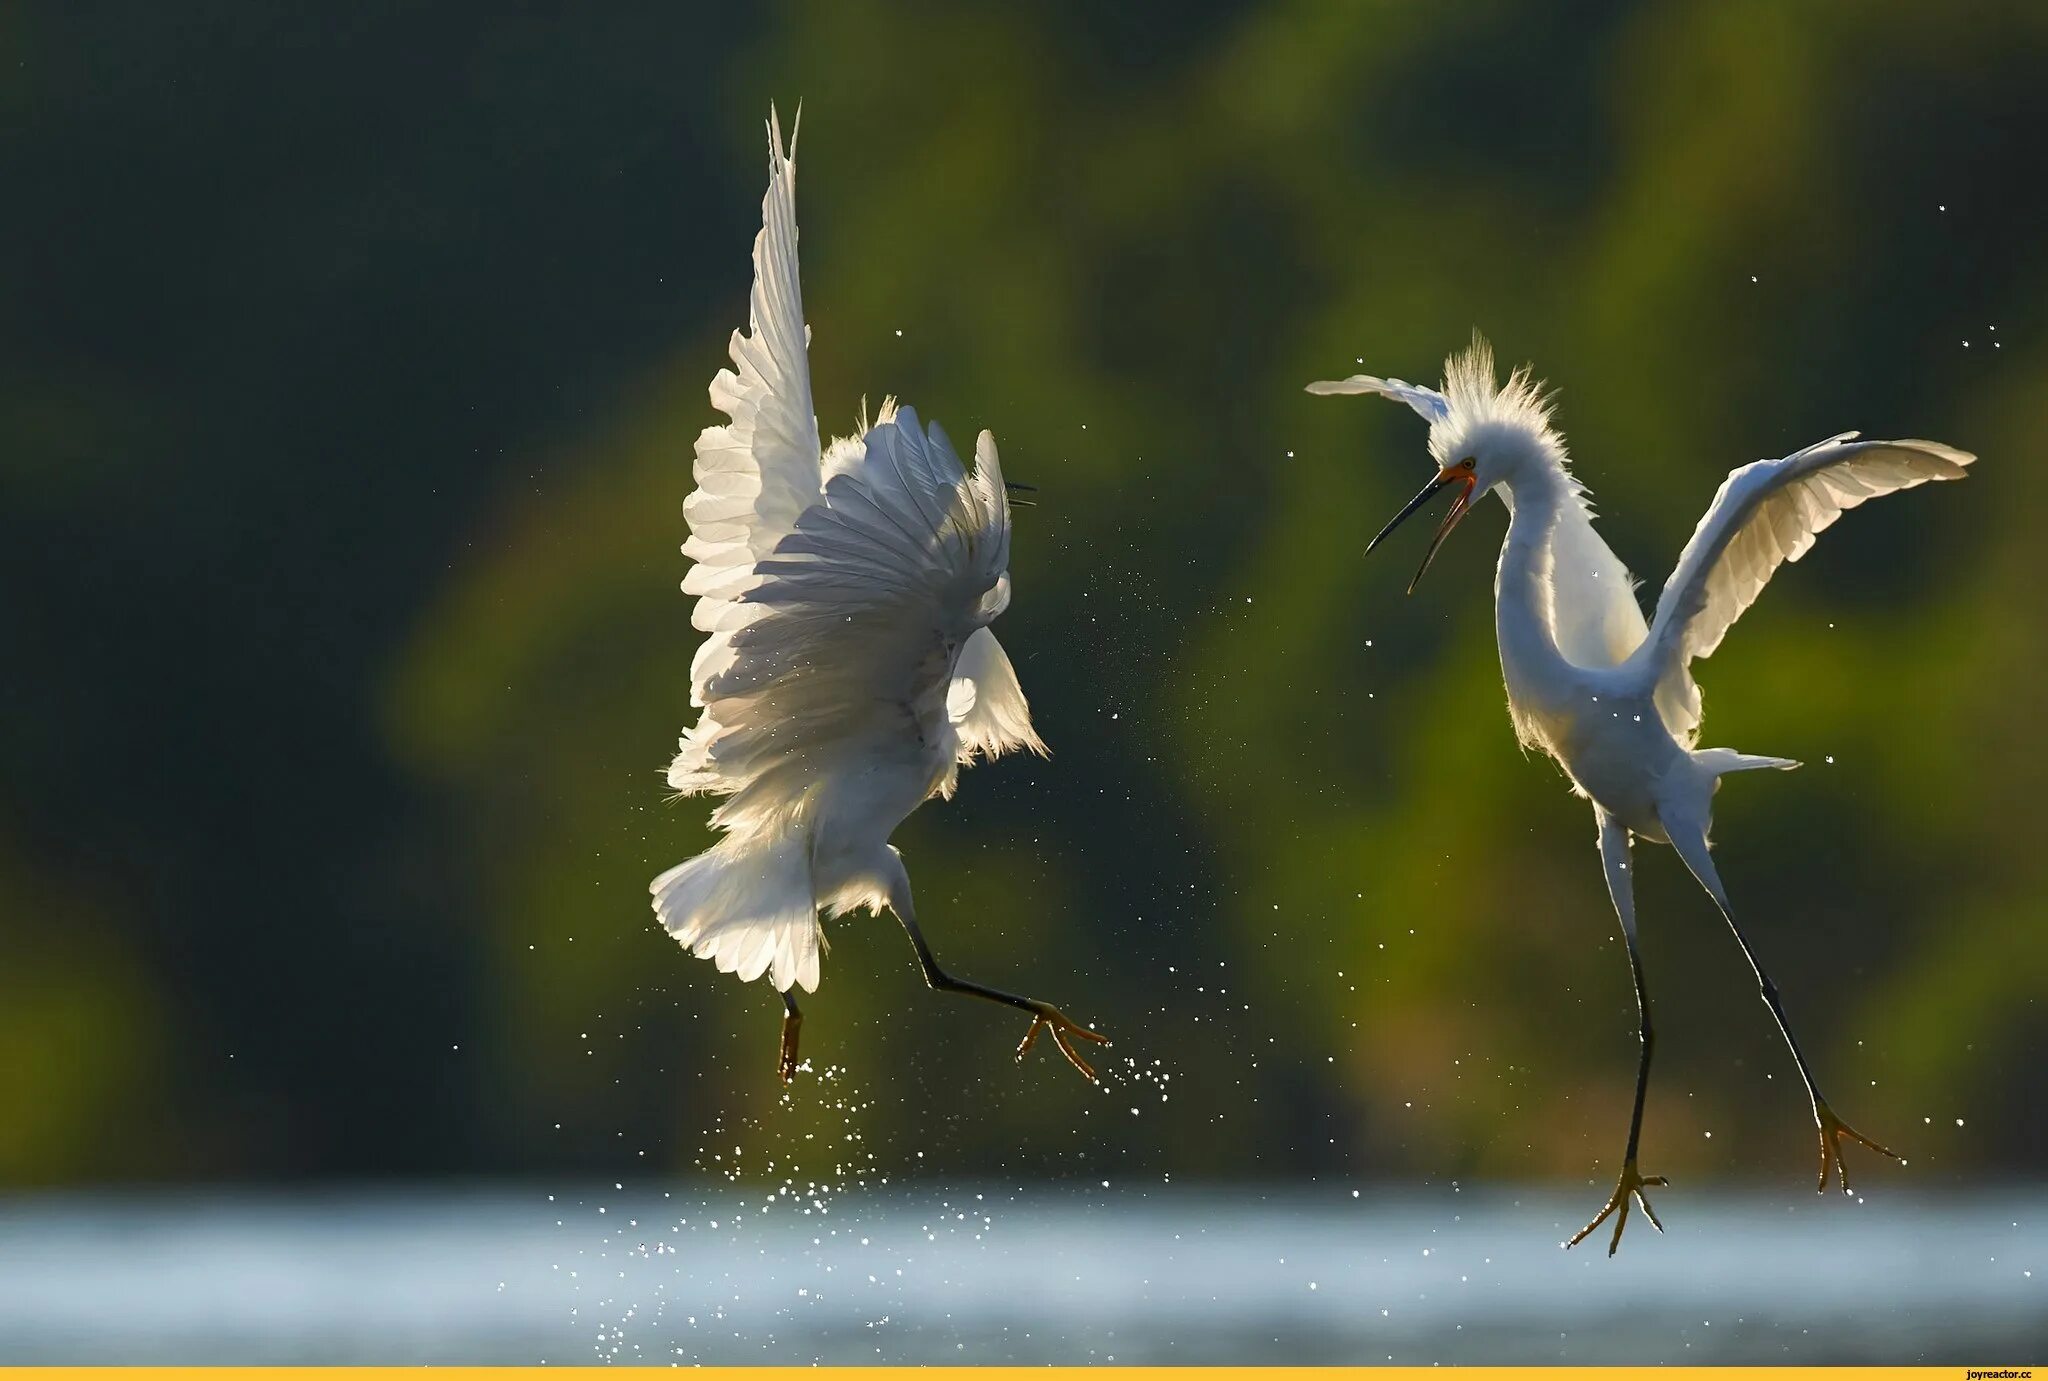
point(352, 362)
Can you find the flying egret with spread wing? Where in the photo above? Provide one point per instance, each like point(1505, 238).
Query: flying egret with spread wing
point(849, 670)
point(1607, 695)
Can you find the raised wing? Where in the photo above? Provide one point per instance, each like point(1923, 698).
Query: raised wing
point(1431, 405)
point(1766, 514)
point(842, 647)
point(757, 473)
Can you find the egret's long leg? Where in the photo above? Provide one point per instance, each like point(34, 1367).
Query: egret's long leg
point(792, 1024)
point(1691, 844)
point(1614, 858)
point(1044, 1016)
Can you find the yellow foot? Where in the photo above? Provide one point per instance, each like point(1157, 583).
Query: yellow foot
point(1832, 1130)
point(786, 1066)
point(1064, 1032)
point(1631, 1185)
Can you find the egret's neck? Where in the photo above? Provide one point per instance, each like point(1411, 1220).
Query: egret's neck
point(1540, 496)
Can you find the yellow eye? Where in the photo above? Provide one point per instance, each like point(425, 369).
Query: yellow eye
point(1469, 463)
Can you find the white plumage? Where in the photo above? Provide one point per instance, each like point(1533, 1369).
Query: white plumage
point(1606, 693)
point(848, 669)
point(840, 590)
point(1569, 596)
point(1766, 514)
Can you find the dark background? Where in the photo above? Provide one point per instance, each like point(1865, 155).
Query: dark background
point(350, 360)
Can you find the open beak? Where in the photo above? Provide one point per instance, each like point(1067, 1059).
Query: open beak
point(1445, 479)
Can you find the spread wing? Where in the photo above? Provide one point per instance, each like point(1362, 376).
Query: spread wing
point(1767, 514)
point(841, 649)
point(838, 590)
point(1431, 405)
point(757, 473)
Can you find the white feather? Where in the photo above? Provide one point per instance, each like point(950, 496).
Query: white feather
point(852, 625)
point(1766, 514)
point(759, 471)
point(1594, 613)
point(986, 704)
point(1427, 402)
point(839, 591)
point(746, 905)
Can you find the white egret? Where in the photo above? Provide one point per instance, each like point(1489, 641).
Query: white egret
point(1607, 695)
point(849, 671)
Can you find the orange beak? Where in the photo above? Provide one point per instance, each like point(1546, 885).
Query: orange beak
point(1445, 479)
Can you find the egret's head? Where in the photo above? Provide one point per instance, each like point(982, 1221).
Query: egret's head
point(1481, 434)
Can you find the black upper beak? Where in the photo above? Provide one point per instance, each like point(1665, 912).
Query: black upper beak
point(1014, 486)
point(1429, 491)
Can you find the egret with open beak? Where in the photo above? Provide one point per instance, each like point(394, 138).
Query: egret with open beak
point(1609, 695)
point(1459, 478)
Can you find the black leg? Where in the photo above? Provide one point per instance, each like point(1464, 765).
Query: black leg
point(1648, 1037)
point(1044, 1016)
point(938, 979)
point(1629, 1186)
point(1692, 847)
point(1770, 995)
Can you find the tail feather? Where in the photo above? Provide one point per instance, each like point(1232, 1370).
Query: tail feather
point(1722, 761)
point(747, 905)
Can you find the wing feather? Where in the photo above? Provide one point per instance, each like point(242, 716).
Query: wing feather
point(850, 629)
point(839, 588)
point(760, 470)
point(1431, 405)
point(1766, 514)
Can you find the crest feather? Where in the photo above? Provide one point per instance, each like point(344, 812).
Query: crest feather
point(1477, 402)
